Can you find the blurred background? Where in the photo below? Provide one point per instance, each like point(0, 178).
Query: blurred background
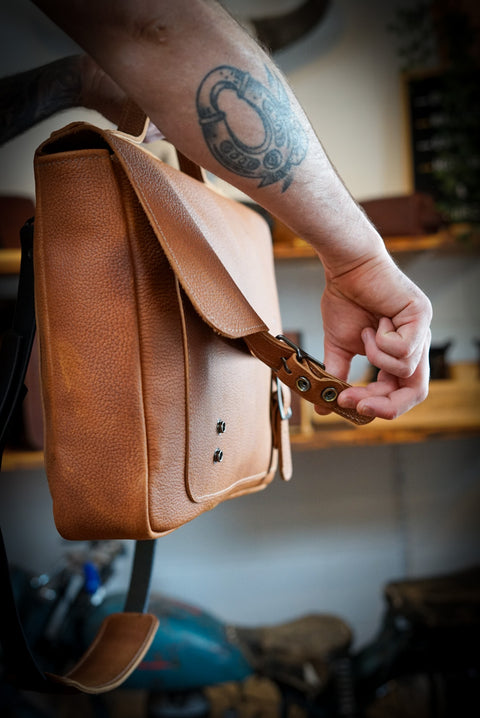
point(358, 512)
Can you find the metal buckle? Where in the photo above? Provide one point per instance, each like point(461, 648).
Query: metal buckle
point(281, 407)
point(301, 355)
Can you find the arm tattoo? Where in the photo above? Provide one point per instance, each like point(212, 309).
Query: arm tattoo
point(284, 143)
point(32, 96)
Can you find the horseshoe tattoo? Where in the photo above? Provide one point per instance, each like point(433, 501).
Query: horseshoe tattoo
point(284, 143)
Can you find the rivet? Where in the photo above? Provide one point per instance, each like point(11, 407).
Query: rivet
point(303, 384)
point(221, 426)
point(329, 394)
point(218, 455)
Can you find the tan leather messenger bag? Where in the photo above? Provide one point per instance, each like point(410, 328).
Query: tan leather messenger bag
point(165, 376)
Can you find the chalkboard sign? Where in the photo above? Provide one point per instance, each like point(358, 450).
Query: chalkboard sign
point(443, 114)
point(426, 115)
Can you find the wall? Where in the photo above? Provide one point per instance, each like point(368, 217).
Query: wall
point(353, 518)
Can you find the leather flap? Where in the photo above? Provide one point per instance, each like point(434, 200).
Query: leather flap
point(219, 249)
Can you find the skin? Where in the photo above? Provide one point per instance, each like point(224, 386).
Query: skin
point(216, 95)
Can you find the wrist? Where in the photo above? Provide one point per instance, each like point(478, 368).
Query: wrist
point(348, 240)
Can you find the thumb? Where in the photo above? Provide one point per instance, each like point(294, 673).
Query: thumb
point(337, 362)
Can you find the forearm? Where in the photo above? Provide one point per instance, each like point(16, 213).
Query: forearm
point(37, 94)
point(217, 96)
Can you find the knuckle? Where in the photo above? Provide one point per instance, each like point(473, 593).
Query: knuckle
point(422, 394)
point(391, 414)
point(405, 370)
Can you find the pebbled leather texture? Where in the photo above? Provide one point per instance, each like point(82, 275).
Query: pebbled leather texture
point(146, 283)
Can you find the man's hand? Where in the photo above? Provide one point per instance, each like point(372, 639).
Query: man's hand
point(375, 310)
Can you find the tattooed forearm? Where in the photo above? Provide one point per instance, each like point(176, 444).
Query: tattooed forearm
point(284, 142)
point(32, 96)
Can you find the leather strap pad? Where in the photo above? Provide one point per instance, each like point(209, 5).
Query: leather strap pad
point(118, 648)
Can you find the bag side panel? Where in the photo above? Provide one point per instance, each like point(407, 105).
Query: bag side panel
point(95, 449)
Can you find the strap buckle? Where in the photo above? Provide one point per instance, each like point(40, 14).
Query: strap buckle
point(301, 354)
point(285, 414)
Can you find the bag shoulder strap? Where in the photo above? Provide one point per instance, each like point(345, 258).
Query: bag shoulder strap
point(119, 646)
point(123, 638)
point(16, 344)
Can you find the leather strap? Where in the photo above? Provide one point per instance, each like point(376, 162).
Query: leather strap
point(140, 579)
point(133, 121)
point(189, 167)
point(123, 638)
point(302, 373)
point(121, 643)
point(118, 648)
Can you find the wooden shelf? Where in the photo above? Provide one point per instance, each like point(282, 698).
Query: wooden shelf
point(21, 460)
point(448, 240)
point(10, 261)
point(296, 248)
point(452, 409)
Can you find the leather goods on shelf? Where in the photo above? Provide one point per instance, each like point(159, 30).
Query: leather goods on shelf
point(164, 373)
point(404, 215)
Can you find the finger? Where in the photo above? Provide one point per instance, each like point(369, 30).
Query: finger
point(337, 362)
point(390, 405)
point(402, 363)
point(349, 398)
point(399, 341)
point(389, 339)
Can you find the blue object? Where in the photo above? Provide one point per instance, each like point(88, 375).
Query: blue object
point(92, 578)
point(191, 648)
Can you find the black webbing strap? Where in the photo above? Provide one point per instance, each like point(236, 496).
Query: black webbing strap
point(21, 668)
point(15, 352)
point(16, 344)
point(140, 577)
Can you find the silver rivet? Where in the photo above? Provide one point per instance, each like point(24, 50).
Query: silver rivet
point(221, 426)
point(218, 455)
point(303, 384)
point(329, 394)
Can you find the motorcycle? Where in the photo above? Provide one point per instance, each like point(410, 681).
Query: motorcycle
point(192, 651)
point(423, 662)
